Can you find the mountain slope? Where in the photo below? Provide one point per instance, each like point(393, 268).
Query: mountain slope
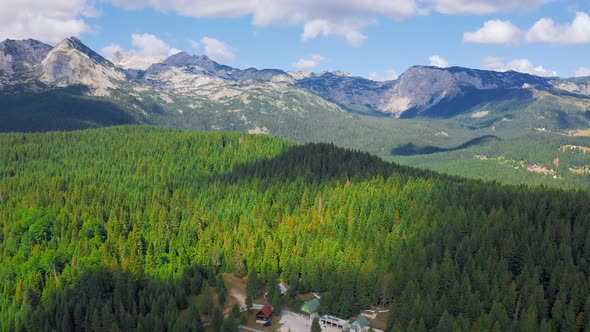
point(418, 89)
point(70, 62)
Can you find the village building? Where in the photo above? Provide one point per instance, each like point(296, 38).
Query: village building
point(264, 314)
point(360, 325)
point(333, 321)
point(310, 307)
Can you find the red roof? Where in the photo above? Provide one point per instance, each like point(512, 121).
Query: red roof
point(266, 310)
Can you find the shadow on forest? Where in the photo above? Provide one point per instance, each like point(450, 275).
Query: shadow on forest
point(63, 109)
point(110, 299)
point(317, 162)
point(411, 149)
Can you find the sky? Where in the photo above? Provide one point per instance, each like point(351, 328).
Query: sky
point(378, 39)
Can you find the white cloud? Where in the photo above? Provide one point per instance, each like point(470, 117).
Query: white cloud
point(265, 12)
point(148, 50)
point(149, 45)
point(546, 30)
point(519, 65)
point(345, 19)
point(350, 32)
point(494, 32)
point(373, 76)
point(582, 72)
point(438, 61)
point(314, 61)
point(48, 20)
point(483, 6)
point(52, 20)
point(218, 50)
point(110, 50)
point(388, 75)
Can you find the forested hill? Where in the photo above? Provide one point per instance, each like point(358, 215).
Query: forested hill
point(113, 229)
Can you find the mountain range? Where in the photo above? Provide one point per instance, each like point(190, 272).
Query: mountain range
point(416, 92)
point(425, 110)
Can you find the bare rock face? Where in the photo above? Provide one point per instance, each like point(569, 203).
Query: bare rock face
point(21, 58)
point(420, 87)
point(71, 62)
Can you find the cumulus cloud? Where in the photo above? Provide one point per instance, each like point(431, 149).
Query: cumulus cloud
point(519, 65)
point(494, 32)
point(218, 50)
point(345, 19)
point(350, 32)
point(110, 50)
point(148, 49)
point(149, 45)
point(49, 20)
point(483, 6)
point(582, 72)
point(388, 75)
point(438, 61)
point(313, 61)
point(546, 30)
point(52, 20)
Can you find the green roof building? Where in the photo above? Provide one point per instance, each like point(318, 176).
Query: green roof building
point(360, 324)
point(310, 306)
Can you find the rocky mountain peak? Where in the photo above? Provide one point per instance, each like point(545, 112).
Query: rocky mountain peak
point(21, 57)
point(74, 43)
point(72, 62)
point(178, 59)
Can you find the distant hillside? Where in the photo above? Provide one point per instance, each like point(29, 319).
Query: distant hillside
point(442, 110)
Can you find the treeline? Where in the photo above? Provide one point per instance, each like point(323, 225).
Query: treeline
point(444, 253)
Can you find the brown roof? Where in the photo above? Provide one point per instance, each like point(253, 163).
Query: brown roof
point(266, 310)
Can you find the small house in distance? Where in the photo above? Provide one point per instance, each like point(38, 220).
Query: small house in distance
point(310, 307)
point(361, 324)
point(264, 314)
point(335, 322)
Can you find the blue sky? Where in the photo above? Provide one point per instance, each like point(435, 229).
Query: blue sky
point(375, 38)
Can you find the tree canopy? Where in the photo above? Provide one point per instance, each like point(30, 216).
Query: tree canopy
point(120, 226)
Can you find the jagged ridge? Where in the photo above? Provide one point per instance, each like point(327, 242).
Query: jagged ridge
point(418, 91)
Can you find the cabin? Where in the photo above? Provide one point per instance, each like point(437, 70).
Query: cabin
point(310, 307)
point(264, 314)
point(360, 325)
point(334, 322)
